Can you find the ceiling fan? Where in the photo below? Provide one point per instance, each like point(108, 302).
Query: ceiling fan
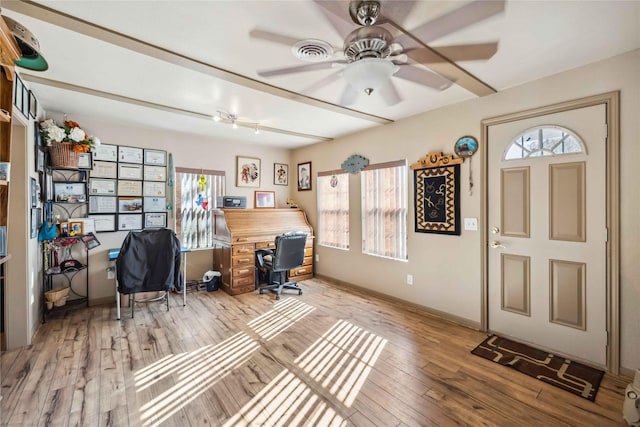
point(371, 55)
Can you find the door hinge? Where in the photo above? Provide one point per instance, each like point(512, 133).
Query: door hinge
point(606, 234)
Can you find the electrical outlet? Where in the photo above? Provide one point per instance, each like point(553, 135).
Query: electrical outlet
point(409, 279)
point(471, 224)
point(110, 273)
point(317, 257)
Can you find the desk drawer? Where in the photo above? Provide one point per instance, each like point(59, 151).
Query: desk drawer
point(308, 251)
point(308, 260)
point(242, 260)
point(243, 271)
point(266, 245)
point(243, 282)
point(301, 271)
point(246, 249)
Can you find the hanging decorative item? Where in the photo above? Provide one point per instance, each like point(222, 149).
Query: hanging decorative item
point(333, 182)
point(436, 192)
point(465, 147)
point(354, 163)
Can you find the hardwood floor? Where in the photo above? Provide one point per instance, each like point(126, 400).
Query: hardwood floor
point(328, 357)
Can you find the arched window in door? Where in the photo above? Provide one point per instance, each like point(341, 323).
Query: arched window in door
point(544, 141)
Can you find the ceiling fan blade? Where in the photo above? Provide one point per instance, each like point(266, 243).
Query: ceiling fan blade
point(390, 94)
point(348, 96)
point(396, 11)
point(273, 37)
point(299, 69)
point(469, 14)
point(423, 77)
point(468, 52)
point(465, 52)
point(322, 83)
point(337, 13)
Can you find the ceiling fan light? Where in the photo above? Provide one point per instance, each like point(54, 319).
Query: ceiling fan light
point(369, 74)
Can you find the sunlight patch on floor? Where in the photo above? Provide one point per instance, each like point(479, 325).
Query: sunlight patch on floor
point(283, 314)
point(342, 359)
point(286, 401)
point(194, 373)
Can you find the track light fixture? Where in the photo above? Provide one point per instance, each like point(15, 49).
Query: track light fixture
point(232, 119)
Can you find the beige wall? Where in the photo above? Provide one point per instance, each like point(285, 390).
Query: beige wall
point(446, 269)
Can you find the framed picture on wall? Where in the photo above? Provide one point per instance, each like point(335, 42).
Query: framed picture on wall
point(280, 174)
point(304, 176)
point(248, 172)
point(264, 199)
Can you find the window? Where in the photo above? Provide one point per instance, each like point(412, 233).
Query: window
point(333, 209)
point(196, 192)
point(544, 141)
point(384, 210)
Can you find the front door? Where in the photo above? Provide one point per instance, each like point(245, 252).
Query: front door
point(547, 232)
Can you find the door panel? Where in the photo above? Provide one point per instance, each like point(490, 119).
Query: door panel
point(550, 212)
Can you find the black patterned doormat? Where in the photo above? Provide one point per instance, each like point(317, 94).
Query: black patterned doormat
point(574, 377)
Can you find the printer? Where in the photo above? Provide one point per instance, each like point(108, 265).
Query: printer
point(231, 202)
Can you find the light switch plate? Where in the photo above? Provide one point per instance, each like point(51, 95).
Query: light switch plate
point(471, 224)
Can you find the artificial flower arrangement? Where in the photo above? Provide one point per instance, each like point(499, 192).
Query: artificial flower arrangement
point(70, 132)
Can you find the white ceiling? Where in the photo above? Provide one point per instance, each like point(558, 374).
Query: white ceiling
point(173, 64)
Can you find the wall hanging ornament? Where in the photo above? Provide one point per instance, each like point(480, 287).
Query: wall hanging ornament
point(437, 194)
point(354, 163)
point(465, 147)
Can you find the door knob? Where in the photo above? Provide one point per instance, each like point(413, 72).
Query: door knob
point(496, 244)
point(495, 230)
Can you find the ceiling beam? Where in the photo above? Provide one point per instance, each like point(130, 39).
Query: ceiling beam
point(161, 107)
point(72, 23)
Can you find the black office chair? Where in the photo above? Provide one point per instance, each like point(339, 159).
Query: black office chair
point(288, 254)
point(149, 261)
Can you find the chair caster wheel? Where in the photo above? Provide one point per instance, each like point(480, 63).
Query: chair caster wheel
point(260, 291)
point(277, 297)
point(299, 292)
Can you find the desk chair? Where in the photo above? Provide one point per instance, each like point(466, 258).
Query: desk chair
point(288, 254)
point(149, 261)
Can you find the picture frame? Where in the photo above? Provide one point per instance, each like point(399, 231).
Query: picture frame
point(129, 222)
point(155, 204)
point(155, 219)
point(25, 101)
point(102, 187)
point(5, 171)
point(88, 224)
point(35, 222)
point(63, 228)
point(17, 93)
point(129, 188)
point(304, 176)
point(129, 171)
point(130, 204)
point(76, 228)
point(69, 192)
point(155, 173)
point(104, 169)
point(33, 105)
point(104, 223)
point(154, 189)
point(40, 158)
point(437, 200)
point(248, 171)
point(85, 161)
point(155, 157)
point(34, 192)
point(106, 152)
point(280, 174)
point(129, 154)
point(90, 240)
point(264, 199)
point(103, 204)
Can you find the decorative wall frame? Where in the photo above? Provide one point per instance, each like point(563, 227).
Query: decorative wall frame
point(264, 199)
point(437, 194)
point(248, 172)
point(304, 176)
point(280, 174)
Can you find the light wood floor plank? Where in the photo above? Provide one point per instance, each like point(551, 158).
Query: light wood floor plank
point(329, 357)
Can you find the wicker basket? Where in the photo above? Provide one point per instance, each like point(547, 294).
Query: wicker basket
point(62, 155)
point(57, 295)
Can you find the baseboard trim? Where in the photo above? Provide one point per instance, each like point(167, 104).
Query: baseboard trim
point(416, 308)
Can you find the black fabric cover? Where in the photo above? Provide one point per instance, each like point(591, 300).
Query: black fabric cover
point(149, 260)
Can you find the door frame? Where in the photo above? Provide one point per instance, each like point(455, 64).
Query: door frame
point(611, 100)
